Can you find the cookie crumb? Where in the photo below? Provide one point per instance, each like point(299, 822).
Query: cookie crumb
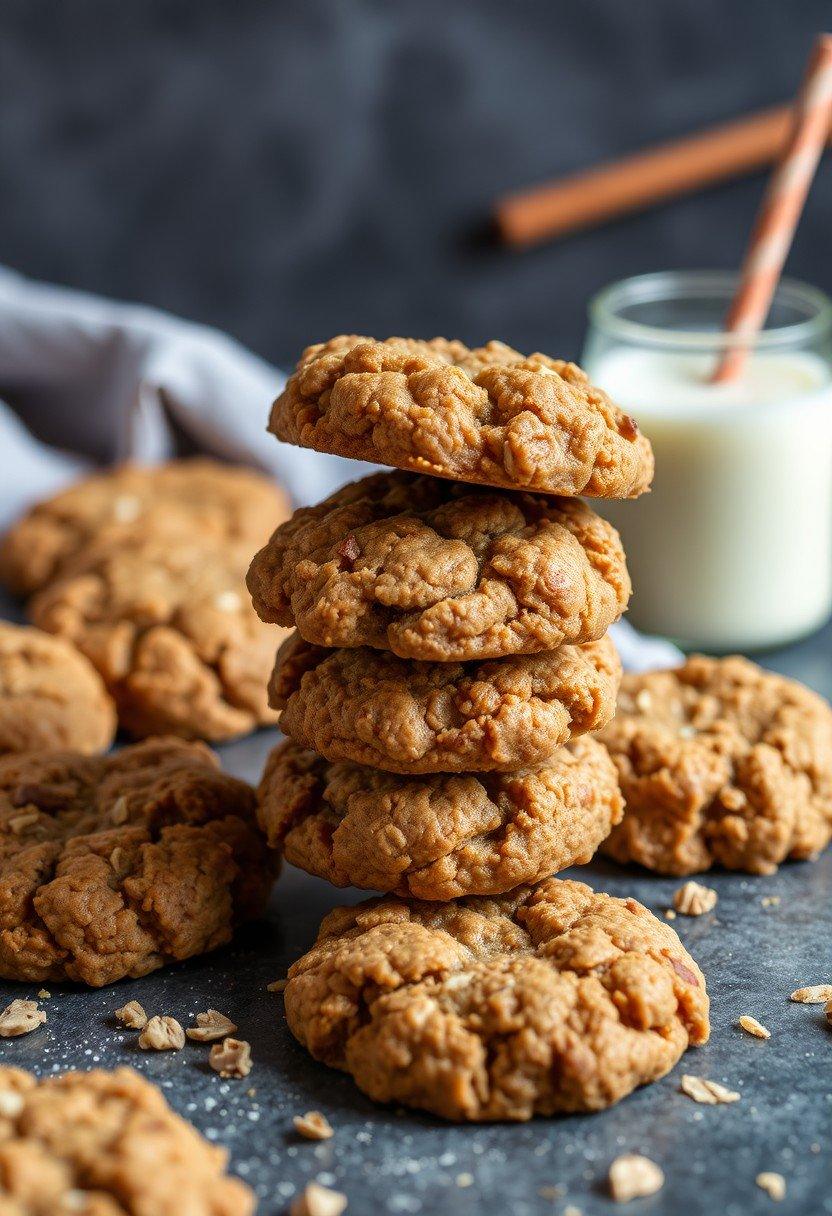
point(694, 899)
point(632, 1176)
point(773, 1184)
point(45, 994)
point(231, 1058)
point(277, 986)
point(816, 994)
point(210, 1025)
point(11, 1103)
point(464, 1180)
point(162, 1034)
point(20, 1017)
point(770, 901)
point(669, 914)
point(709, 1093)
point(317, 1200)
point(827, 1009)
point(132, 1015)
point(313, 1126)
point(752, 1026)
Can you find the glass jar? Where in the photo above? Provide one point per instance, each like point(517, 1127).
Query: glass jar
point(732, 549)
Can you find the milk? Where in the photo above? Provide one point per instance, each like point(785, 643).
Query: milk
point(733, 547)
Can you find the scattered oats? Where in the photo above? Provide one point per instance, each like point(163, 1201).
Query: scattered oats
point(277, 986)
point(770, 901)
point(252, 1093)
point(210, 1026)
point(551, 1192)
point(132, 1015)
point(11, 1103)
point(633, 1177)
point(231, 1058)
point(317, 1200)
point(118, 811)
point(817, 994)
point(118, 860)
point(752, 1026)
point(228, 601)
point(694, 899)
point(827, 1009)
point(313, 1126)
point(19, 1018)
point(126, 508)
point(45, 994)
point(464, 1180)
point(162, 1034)
point(709, 1093)
point(773, 1184)
point(669, 914)
point(19, 823)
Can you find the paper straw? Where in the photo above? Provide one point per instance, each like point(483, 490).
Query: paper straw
point(780, 210)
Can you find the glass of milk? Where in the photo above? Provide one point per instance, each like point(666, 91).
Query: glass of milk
point(732, 550)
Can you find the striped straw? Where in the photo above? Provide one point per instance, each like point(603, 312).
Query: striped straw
point(780, 210)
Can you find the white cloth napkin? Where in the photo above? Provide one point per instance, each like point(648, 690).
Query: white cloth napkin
point(86, 381)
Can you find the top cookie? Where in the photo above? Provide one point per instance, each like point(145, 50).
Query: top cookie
point(443, 572)
point(488, 415)
point(106, 1144)
point(51, 696)
point(720, 763)
point(202, 498)
point(551, 998)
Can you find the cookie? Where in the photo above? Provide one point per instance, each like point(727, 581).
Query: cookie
point(490, 415)
point(103, 1143)
point(369, 707)
point(113, 866)
point(168, 624)
point(720, 763)
point(196, 498)
point(51, 697)
point(440, 836)
point(550, 999)
point(441, 572)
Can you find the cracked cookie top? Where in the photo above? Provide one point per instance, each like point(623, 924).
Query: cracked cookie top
point(443, 835)
point(168, 624)
point(197, 498)
point(489, 415)
point(551, 998)
point(103, 1143)
point(720, 763)
point(113, 866)
point(442, 572)
point(51, 697)
point(370, 707)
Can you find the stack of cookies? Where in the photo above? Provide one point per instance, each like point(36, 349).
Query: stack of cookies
point(449, 666)
point(450, 660)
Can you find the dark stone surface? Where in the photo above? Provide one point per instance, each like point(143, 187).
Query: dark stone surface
point(393, 1161)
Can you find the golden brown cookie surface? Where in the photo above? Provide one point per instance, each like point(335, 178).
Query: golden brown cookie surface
point(720, 763)
point(440, 572)
point(51, 697)
point(200, 498)
point(168, 624)
point(113, 866)
point(552, 998)
point(106, 1144)
point(439, 836)
point(370, 707)
point(489, 415)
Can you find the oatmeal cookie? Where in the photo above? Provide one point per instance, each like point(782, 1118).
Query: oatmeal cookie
point(549, 999)
point(113, 866)
point(51, 697)
point(169, 626)
point(441, 572)
point(370, 707)
point(439, 836)
point(490, 415)
point(104, 1143)
point(720, 763)
point(201, 499)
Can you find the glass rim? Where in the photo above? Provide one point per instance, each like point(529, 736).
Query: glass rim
point(692, 284)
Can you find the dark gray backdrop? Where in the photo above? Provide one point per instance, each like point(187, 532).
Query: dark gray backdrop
point(290, 170)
